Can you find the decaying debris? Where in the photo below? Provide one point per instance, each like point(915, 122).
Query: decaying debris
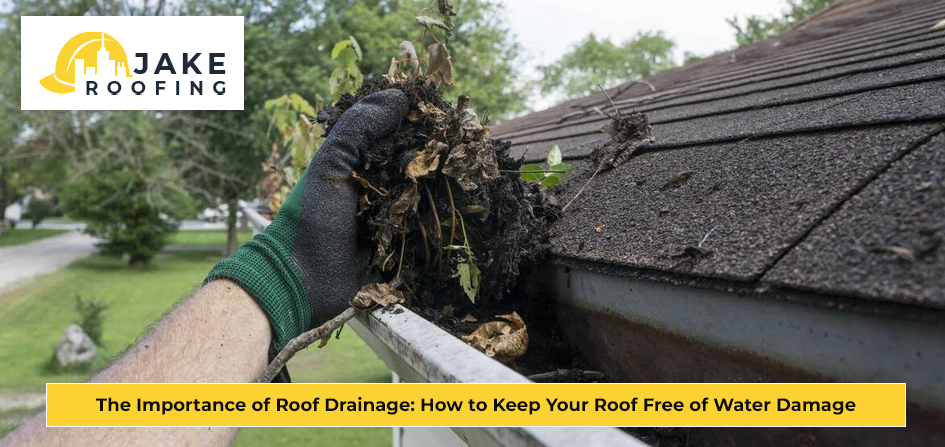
point(627, 133)
point(449, 220)
point(378, 294)
point(369, 297)
point(906, 254)
point(504, 340)
point(301, 342)
point(568, 375)
point(677, 180)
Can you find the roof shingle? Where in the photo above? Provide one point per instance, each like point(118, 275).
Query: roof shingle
point(801, 149)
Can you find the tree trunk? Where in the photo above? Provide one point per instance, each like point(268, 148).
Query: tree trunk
point(231, 234)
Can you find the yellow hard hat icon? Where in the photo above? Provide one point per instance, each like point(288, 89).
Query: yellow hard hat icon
point(86, 47)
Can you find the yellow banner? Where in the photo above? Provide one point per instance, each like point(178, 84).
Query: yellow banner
point(486, 405)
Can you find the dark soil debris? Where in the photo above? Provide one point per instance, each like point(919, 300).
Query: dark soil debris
point(451, 223)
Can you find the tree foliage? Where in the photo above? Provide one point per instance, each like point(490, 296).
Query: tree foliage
point(755, 28)
point(39, 210)
point(215, 156)
point(346, 77)
point(596, 61)
point(129, 194)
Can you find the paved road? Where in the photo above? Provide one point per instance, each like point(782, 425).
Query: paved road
point(185, 225)
point(21, 263)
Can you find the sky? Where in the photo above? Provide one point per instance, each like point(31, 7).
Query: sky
point(547, 28)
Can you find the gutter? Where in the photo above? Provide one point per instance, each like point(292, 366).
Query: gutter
point(645, 331)
point(420, 352)
point(832, 344)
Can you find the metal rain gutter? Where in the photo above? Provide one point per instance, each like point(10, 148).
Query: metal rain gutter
point(836, 344)
point(636, 330)
point(420, 352)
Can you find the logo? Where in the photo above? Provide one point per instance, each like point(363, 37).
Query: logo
point(132, 63)
point(87, 54)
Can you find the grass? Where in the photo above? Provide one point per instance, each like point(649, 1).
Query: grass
point(33, 317)
point(20, 236)
point(206, 238)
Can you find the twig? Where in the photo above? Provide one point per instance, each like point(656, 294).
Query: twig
point(301, 342)
point(426, 242)
point(581, 191)
point(706, 237)
point(400, 263)
point(363, 181)
point(449, 191)
point(536, 171)
point(562, 374)
point(601, 87)
point(285, 178)
point(439, 227)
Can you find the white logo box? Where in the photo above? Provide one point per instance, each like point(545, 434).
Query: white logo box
point(44, 37)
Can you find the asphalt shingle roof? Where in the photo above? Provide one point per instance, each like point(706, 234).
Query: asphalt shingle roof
point(806, 152)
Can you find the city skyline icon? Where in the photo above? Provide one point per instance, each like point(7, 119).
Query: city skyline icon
point(85, 55)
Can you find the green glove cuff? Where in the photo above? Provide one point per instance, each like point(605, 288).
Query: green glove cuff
point(264, 269)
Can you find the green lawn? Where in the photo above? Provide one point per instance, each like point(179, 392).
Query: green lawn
point(205, 237)
point(19, 236)
point(33, 317)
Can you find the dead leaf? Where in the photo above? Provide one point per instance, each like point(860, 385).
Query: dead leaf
point(469, 318)
point(378, 294)
point(600, 228)
point(441, 64)
point(408, 57)
point(504, 340)
point(405, 204)
point(924, 186)
point(903, 253)
point(677, 180)
point(432, 111)
point(475, 209)
point(426, 161)
point(472, 165)
point(394, 71)
point(939, 25)
point(469, 123)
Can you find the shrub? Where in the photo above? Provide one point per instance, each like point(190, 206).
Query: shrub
point(39, 210)
point(119, 209)
point(91, 318)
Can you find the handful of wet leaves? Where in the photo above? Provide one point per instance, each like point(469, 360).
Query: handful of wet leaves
point(450, 222)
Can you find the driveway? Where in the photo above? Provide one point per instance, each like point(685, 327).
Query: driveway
point(21, 263)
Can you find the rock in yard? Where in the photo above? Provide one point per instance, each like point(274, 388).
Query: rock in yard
point(75, 348)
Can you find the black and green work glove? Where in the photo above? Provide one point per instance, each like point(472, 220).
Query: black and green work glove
point(306, 266)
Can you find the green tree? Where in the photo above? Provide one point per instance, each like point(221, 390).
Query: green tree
point(600, 61)
point(288, 49)
point(755, 28)
point(128, 193)
point(485, 57)
point(287, 46)
point(39, 210)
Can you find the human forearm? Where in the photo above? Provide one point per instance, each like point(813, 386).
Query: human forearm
point(217, 335)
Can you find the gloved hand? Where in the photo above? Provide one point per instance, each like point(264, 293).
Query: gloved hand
point(306, 266)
